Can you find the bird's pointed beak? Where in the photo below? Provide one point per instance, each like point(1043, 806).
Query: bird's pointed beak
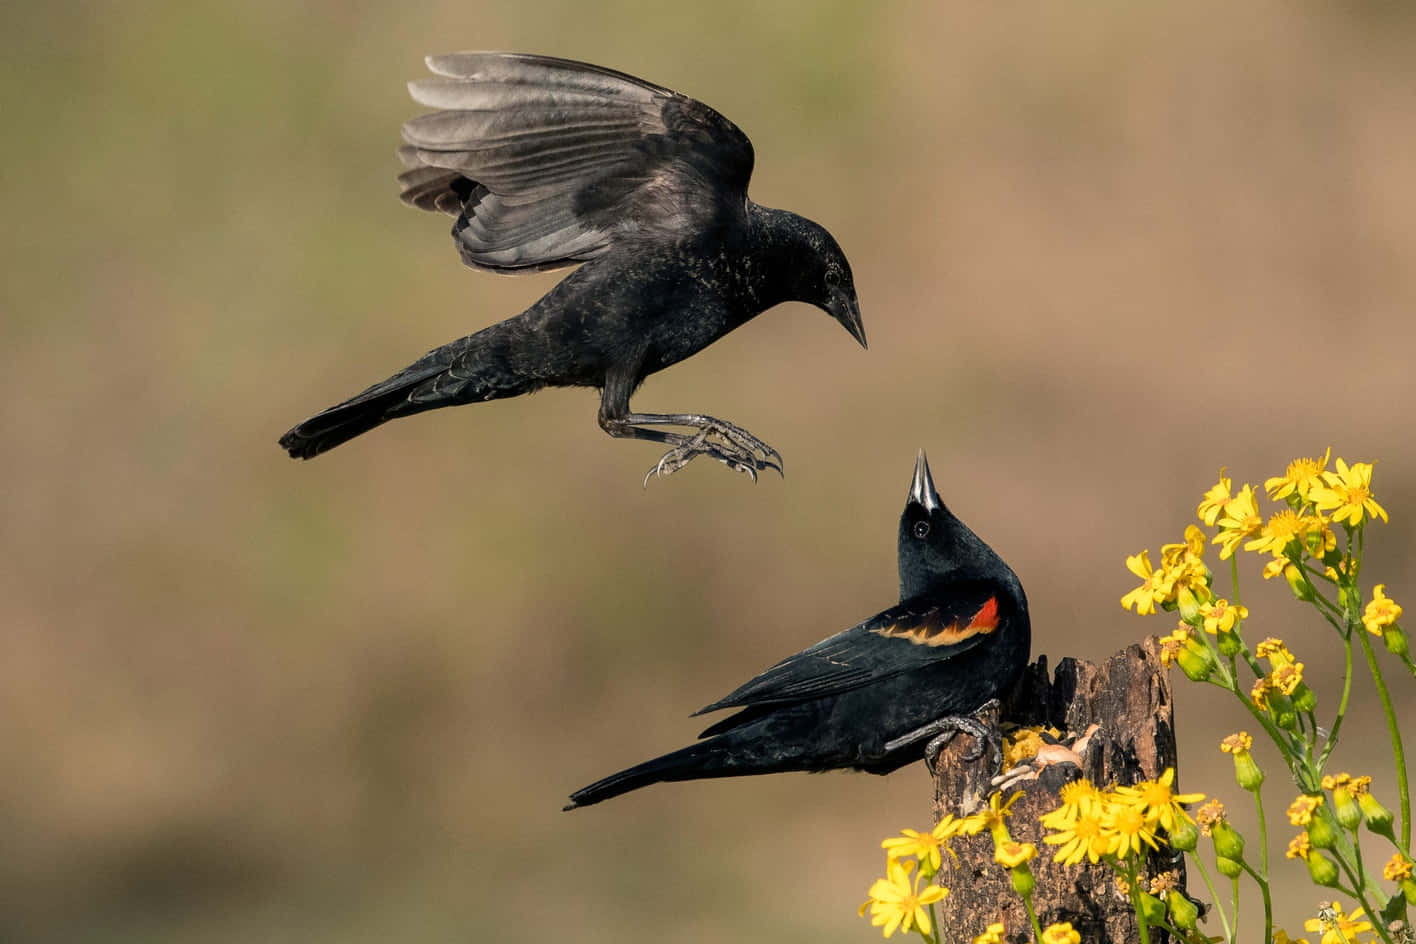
point(846, 309)
point(922, 488)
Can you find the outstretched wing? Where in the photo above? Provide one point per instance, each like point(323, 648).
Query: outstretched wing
point(547, 162)
point(914, 634)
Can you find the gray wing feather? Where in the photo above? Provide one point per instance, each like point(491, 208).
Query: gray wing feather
point(546, 162)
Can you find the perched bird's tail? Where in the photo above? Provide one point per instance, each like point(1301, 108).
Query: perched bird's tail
point(468, 370)
point(695, 762)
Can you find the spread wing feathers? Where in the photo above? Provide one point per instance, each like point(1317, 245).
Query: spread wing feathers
point(914, 634)
point(546, 162)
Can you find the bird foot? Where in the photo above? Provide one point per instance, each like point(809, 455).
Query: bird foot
point(988, 739)
point(739, 451)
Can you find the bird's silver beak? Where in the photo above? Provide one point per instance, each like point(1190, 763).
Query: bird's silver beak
point(846, 309)
point(922, 488)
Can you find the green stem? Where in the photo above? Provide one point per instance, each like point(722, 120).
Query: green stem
point(1214, 895)
point(1235, 882)
point(1133, 883)
point(1358, 891)
point(1398, 752)
point(1032, 916)
point(1341, 705)
point(1263, 879)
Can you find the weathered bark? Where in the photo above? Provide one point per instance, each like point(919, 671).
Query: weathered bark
point(1129, 699)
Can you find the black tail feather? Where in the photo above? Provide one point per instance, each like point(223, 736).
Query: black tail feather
point(695, 762)
point(374, 407)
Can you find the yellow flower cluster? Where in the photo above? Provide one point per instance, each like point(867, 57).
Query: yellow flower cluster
point(896, 901)
point(1381, 612)
point(1115, 823)
point(1314, 498)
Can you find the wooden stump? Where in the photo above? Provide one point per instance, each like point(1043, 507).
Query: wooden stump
point(1129, 699)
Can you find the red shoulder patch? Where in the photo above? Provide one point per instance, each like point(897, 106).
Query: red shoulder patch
point(931, 631)
point(987, 616)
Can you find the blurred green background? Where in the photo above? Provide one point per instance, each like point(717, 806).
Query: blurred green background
point(1102, 250)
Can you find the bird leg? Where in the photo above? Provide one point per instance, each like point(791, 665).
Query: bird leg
point(942, 731)
point(735, 447)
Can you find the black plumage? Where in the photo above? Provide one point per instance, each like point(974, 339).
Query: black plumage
point(873, 697)
point(548, 163)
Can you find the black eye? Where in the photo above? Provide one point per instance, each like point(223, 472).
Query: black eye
point(833, 278)
point(921, 529)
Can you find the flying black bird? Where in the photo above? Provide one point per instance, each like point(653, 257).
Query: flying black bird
point(880, 694)
point(548, 163)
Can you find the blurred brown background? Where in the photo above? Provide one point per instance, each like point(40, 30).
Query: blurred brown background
point(1102, 250)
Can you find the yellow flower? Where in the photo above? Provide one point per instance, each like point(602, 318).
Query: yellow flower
point(1129, 828)
point(897, 902)
point(1157, 802)
point(1283, 528)
point(994, 818)
point(1298, 846)
point(1156, 586)
point(1382, 611)
point(1397, 868)
point(1062, 933)
point(1239, 743)
point(1286, 678)
point(1274, 650)
point(1082, 837)
point(923, 846)
point(1348, 493)
point(1078, 798)
point(1300, 811)
point(1210, 814)
point(1214, 501)
point(1220, 616)
point(1011, 854)
point(1239, 521)
point(1301, 476)
point(1164, 882)
point(1280, 936)
point(993, 934)
point(1337, 928)
point(1260, 692)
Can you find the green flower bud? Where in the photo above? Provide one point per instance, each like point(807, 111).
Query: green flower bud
point(1349, 814)
point(1298, 582)
point(1320, 833)
point(1408, 889)
point(1247, 772)
point(1023, 881)
point(1378, 817)
point(1322, 870)
point(1395, 640)
point(1185, 836)
point(1183, 912)
point(1152, 909)
point(1228, 867)
point(1282, 707)
point(1303, 698)
point(1189, 606)
point(1196, 662)
point(1229, 644)
point(1227, 843)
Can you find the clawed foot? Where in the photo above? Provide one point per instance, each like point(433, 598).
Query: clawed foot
point(987, 738)
point(738, 449)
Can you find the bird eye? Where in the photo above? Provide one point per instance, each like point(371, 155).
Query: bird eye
point(921, 529)
point(833, 277)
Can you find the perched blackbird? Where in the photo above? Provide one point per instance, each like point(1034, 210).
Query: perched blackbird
point(548, 163)
point(883, 693)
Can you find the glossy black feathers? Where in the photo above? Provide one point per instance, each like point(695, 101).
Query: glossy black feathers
point(959, 638)
point(547, 163)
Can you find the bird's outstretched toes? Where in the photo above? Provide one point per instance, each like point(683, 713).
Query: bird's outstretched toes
point(718, 439)
point(987, 738)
